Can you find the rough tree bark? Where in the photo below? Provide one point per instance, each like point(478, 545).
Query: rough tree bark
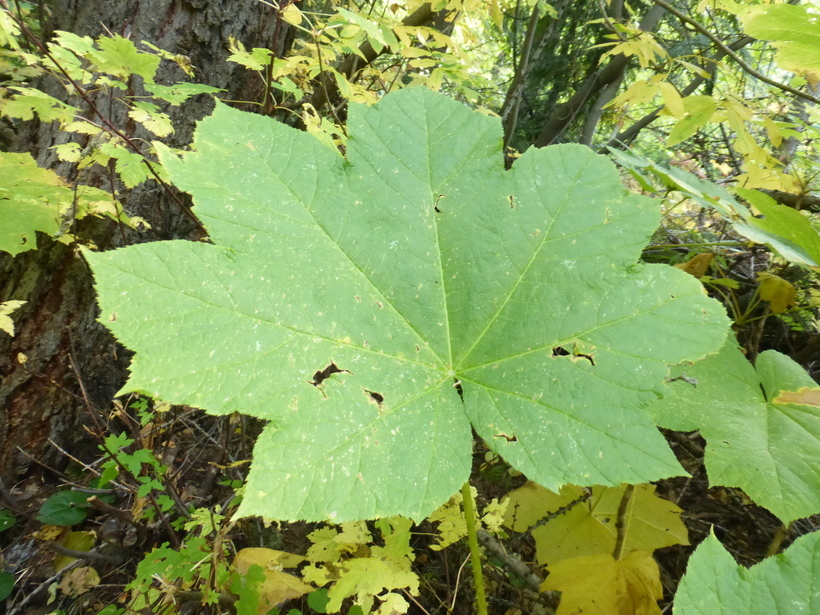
point(72, 362)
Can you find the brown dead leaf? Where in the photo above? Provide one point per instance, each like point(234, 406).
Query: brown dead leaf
point(78, 581)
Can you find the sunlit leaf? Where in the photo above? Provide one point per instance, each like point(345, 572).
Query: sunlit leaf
point(412, 288)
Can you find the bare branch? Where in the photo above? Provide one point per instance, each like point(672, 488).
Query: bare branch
point(564, 113)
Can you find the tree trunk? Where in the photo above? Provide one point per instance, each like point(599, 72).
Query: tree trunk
point(72, 364)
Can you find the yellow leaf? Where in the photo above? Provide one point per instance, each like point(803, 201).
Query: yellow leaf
point(588, 528)
point(773, 130)
point(77, 541)
point(778, 292)
point(452, 526)
point(637, 93)
point(278, 586)
point(495, 13)
point(292, 14)
point(804, 396)
point(599, 585)
point(698, 265)
point(672, 99)
point(6, 308)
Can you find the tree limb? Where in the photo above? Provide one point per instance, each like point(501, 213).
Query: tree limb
point(564, 113)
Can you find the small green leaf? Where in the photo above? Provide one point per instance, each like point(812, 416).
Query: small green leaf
point(6, 585)
point(28, 101)
point(317, 600)
point(715, 585)
point(64, 508)
point(34, 199)
point(699, 110)
point(7, 520)
point(178, 93)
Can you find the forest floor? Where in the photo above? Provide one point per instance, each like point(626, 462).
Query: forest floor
point(204, 455)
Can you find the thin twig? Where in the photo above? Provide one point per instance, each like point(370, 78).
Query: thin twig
point(512, 562)
point(82, 93)
point(726, 50)
point(91, 556)
point(44, 585)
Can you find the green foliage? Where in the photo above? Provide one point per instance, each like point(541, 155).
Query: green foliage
point(7, 520)
point(782, 228)
point(140, 465)
point(794, 31)
point(35, 199)
point(357, 307)
point(353, 568)
point(756, 440)
point(64, 508)
point(715, 585)
point(39, 200)
point(6, 585)
point(174, 568)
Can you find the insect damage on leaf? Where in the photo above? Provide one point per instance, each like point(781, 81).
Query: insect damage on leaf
point(378, 398)
point(453, 313)
point(323, 374)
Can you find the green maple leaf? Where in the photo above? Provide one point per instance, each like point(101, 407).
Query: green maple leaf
point(756, 440)
point(715, 585)
point(373, 307)
point(34, 199)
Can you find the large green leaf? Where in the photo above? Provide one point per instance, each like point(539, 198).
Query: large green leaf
point(784, 584)
point(755, 440)
point(783, 228)
point(353, 301)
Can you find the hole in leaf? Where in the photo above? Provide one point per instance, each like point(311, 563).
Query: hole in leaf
point(438, 200)
point(512, 202)
point(560, 351)
point(581, 355)
point(376, 397)
point(512, 438)
point(323, 374)
point(457, 386)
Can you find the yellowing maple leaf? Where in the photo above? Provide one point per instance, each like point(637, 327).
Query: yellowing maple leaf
point(600, 585)
point(589, 528)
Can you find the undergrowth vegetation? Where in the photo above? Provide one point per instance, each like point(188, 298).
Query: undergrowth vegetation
point(402, 367)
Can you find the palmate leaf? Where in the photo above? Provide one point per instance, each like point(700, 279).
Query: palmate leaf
point(354, 301)
point(786, 583)
point(761, 426)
